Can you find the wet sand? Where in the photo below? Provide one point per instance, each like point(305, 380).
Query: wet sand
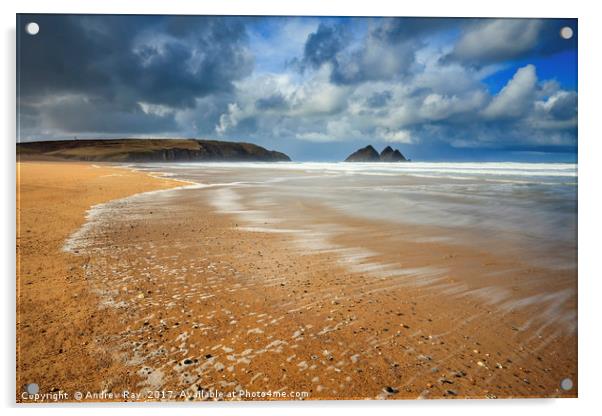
point(169, 294)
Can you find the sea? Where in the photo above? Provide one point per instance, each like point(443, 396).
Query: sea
point(530, 206)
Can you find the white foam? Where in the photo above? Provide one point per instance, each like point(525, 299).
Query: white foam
point(98, 213)
point(435, 169)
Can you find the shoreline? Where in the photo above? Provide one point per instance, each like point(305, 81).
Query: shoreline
point(184, 312)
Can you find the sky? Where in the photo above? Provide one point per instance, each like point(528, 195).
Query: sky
point(316, 88)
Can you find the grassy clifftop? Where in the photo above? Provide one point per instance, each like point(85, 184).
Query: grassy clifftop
point(148, 150)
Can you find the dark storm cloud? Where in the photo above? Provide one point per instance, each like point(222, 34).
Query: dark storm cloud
point(387, 51)
point(100, 117)
point(324, 44)
point(119, 61)
point(397, 29)
point(80, 116)
point(161, 60)
point(564, 107)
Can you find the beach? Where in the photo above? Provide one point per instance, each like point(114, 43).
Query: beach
point(297, 281)
point(57, 314)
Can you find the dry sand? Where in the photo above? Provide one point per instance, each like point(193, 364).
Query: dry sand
point(168, 295)
point(57, 315)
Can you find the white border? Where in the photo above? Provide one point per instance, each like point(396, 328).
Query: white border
point(590, 179)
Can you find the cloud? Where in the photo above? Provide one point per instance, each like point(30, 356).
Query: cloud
point(497, 40)
point(556, 113)
point(379, 99)
point(284, 103)
point(428, 107)
point(74, 114)
point(422, 83)
point(441, 107)
point(386, 52)
point(399, 136)
point(274, 101)
point(278, 41)
point(516, 97)
point(399, 29)
point(562, 105)
point(118, 62)
point(324, 44)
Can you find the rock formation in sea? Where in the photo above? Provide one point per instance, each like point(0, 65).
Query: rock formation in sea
point(369, 154)
point(366, 154)
point(390, 155)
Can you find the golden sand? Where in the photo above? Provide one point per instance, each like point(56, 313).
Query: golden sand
point(57, 316)
point(178, 298)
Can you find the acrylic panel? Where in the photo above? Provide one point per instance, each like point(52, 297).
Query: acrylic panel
point(295, 208)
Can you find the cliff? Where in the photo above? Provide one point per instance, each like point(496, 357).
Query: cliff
point(148, 150)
